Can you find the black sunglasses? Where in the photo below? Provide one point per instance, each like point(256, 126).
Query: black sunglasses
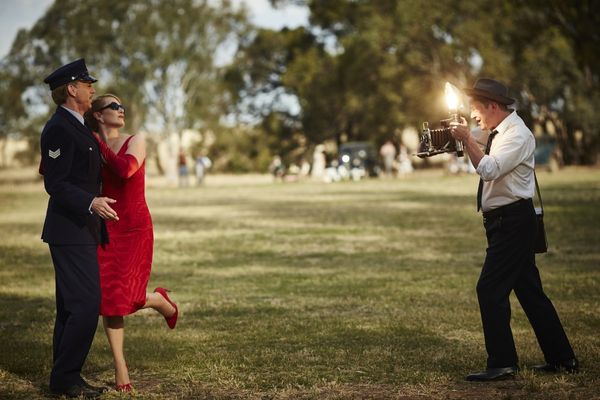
point(114, 106)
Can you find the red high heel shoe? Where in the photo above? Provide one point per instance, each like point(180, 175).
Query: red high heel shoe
point(172, 320)
point(124, 388)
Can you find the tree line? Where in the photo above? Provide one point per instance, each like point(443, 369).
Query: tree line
point(359, 70)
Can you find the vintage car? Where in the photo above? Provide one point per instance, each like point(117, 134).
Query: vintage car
point(359, 155)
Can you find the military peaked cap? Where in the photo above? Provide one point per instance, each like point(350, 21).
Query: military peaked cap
point(73, 71)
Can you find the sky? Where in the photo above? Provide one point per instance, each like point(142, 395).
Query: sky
point(17, 14)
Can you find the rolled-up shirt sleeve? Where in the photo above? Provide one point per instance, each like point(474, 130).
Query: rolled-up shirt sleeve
point(508, 151)
point(488, 168)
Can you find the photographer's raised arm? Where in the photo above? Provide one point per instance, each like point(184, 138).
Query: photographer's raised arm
point(462, 132)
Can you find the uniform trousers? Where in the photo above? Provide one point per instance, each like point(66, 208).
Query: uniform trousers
point(77, 308)
point(510, 265)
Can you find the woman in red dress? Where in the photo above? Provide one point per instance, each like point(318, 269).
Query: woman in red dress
point(126, 261)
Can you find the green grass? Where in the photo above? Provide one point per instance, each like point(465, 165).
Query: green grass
point(306, 290)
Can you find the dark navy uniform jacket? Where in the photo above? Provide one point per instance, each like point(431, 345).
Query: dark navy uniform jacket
point(71, 165)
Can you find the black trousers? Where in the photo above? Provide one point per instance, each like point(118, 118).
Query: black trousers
point(510, 265)
point(77, 309)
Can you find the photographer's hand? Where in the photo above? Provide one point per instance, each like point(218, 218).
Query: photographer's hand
point(460, 131)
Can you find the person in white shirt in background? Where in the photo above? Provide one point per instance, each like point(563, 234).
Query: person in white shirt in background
point(203, 163)
point(388, 154)
point(505, 193)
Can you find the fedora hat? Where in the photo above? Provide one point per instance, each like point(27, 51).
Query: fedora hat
point(490, 89)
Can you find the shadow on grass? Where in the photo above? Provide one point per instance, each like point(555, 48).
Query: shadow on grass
point(26, 331)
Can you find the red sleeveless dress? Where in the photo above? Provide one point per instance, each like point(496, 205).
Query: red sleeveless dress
point(125, 262)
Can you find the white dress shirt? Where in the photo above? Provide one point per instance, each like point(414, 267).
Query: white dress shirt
point(507, 172)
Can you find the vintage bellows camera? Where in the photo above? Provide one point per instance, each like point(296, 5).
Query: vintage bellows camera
point(438, 141)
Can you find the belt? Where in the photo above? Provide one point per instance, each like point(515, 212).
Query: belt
point(506, 209)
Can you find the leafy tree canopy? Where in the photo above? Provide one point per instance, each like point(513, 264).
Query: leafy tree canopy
point(362, 69)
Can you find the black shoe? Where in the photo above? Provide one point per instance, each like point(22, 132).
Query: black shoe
point(493, 374)
point(99, 389)
point(570, 366)
point(77, 391)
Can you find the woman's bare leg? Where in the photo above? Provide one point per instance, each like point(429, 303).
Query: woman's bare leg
point(115, 332)
point(160, 304)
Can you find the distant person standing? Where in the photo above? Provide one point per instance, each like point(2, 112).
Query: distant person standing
point(276, 168)
point(319, 162)
point(388, 154)
point(183, 169)
point(505, 193)
point(304, 168)
point(203, 163)
point(404, 163)
point(74, 225)
point(125, 263)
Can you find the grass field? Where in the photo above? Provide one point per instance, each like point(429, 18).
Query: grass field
point(357, 290)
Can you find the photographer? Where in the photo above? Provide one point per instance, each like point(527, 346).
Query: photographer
point(505, 193)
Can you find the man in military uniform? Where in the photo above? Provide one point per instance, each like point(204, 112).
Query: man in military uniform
point(74, 225)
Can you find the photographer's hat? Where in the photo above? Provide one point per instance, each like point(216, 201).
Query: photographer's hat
point(73, 71)
point(490, 89)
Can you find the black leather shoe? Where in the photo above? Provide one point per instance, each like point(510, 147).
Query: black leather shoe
point(77, 391)
point(99, 389)
point(493, 374)
point(570, 366)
